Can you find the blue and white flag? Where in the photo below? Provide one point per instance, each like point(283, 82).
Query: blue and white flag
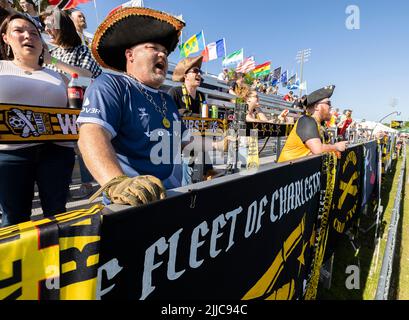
point(284, 78)
point(214, 50)
point(294, 85)
point(276, 76)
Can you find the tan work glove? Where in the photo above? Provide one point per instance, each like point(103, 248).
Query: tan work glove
point(133, 191)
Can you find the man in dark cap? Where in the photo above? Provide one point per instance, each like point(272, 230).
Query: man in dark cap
point(307, 136)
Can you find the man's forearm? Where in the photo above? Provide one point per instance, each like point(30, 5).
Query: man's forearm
point(98, 153)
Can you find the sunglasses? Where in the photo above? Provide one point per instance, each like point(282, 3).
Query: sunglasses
point(195, 70)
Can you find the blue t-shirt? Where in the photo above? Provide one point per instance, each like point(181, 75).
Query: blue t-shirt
point(142, 144)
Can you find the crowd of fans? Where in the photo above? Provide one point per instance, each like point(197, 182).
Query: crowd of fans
point(29, 65)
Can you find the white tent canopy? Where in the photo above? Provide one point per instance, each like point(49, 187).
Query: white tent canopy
point(376, 127)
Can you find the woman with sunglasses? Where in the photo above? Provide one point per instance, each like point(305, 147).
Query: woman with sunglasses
point(24, 81)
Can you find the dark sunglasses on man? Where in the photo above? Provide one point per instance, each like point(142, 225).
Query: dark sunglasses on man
point(195, 70)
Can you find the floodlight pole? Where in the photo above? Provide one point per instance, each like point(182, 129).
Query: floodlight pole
point(301, 73)
point(301, 58)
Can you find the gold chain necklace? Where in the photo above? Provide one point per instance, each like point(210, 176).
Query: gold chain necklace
point(162, 111)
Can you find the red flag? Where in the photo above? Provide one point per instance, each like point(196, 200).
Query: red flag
point(66, 4)
point(205, 54)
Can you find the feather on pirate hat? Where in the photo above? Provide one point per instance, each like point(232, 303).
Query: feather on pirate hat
point(130, 26)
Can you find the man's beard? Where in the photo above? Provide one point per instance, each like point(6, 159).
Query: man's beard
point(158, 78)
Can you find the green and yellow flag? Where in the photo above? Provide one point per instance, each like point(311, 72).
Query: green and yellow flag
point(194, 44)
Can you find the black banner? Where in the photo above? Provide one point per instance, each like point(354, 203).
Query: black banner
point(369, 179)
point(252, 237)
point(346, 201)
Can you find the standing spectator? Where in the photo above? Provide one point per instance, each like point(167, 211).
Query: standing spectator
point(69, 55)
point(189, 101)
point(29, 8)
point(254, 114)
point(187, 98)
point(345, 122)
point(6, 4)
point(332, 122)
point(289, 97)
point(24, 81)
point(224, 75)
point(238, 86)
point(275, 89)
point(80, 23)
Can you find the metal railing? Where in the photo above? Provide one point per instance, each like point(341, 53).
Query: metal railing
point(382, 291)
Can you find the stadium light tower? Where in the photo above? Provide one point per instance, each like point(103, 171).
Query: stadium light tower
point(302, 57)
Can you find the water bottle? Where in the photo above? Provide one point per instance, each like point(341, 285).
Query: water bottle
point(75, 93)
point(205, 110)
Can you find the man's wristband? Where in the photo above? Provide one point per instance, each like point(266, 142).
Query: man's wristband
point(54, 60)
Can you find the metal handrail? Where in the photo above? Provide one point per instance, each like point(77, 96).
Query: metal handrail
point(382, 291)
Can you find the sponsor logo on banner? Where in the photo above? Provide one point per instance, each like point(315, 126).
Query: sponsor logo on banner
point(20, 124)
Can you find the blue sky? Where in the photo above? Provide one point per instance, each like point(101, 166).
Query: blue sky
point(369, 66)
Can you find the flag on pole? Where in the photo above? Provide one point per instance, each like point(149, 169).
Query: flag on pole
point(262, 69)
point(133, 3)
point(276, 76)
point(247, 65)
point(303, 85)
point(194, 44)
point(295, 85)
point(284, 78)
point(233, 58)
point(292, 79)
point(66, 4)
point(214, 50)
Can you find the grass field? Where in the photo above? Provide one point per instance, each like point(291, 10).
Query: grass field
point(363, 253)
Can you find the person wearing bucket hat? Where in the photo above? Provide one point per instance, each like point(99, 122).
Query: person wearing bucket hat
point(124, 116)
point(307, 136)
point(189, 102)
point(187, 98)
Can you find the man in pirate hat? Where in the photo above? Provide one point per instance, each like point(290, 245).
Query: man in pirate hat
point(124, 116)
point(307, 138)
point(130, 132)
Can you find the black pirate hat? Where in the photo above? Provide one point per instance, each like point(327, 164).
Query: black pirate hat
point(319, 95)
point(130, 26)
